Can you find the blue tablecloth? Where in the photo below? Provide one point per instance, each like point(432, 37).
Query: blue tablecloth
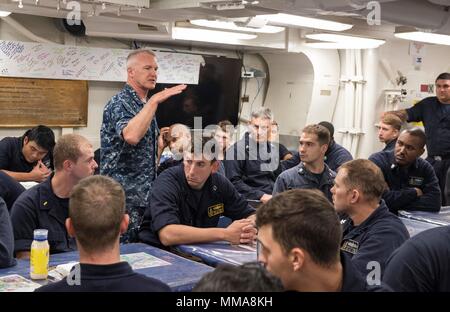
point(414, 227)
point(181, 275)
point(220, 252)
point(440, 218)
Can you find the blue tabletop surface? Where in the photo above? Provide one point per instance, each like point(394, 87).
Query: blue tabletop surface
point(414, 227)
point(181, 275)
point(220, 252)
point(438, 218)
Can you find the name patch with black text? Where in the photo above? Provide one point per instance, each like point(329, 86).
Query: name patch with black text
point(415, 181)
point(350, 246)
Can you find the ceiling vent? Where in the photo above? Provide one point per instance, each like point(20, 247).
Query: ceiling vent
point(147, 27)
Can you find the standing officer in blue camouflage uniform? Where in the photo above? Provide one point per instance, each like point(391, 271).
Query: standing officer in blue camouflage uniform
point(129, 135)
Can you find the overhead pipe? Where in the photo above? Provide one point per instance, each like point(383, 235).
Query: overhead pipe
point(349, 97)
point(359, 82)
point(353, 100)
point(345, 80)
point(371, 111)
point(351, 125)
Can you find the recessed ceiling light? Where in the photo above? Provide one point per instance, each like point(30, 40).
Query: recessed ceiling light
point(295, 20)
point(424, 37)
point(4, 13)
point(205, 35)
point(335, 41)
point(233, 26)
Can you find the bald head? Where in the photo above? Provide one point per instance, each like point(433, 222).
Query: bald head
point(179, 139)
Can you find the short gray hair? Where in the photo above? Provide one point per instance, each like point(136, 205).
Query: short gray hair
point(264, 113)
point(135, 53)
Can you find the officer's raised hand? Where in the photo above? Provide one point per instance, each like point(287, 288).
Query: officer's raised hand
point(137, 127)
point(163, 95)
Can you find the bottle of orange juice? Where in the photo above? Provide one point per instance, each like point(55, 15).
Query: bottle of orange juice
point(39, 255)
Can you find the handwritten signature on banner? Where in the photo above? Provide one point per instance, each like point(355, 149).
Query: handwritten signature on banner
point(38, 60)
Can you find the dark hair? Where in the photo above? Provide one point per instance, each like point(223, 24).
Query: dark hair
point(443, 76)
point(226, 126)
point(323, 135)
point(96, 208)
point(329, 126)
point(365, 176)
point(418, 133)
point(43, 136)
point(249, 277)
point(306, 219)
point(205, 145)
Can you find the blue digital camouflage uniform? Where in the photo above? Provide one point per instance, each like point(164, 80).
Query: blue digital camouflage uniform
point(134, 167)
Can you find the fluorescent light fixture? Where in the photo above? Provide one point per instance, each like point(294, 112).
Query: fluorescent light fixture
point(4, 13)
point(233, 26)
point(424, 37)
point(334, 41)
point(336, 45)
point(295, 20)
point(206, 35)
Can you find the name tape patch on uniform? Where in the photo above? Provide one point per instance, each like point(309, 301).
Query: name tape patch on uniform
point(215, 210)
point(350, 246)
point(415, 181)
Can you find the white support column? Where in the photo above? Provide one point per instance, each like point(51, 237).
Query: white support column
point(370, 93)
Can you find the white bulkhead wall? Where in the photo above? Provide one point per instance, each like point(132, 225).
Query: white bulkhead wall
point(303, 85)
point(290, 90)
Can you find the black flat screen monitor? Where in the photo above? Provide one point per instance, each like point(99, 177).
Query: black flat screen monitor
point(215, 98)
